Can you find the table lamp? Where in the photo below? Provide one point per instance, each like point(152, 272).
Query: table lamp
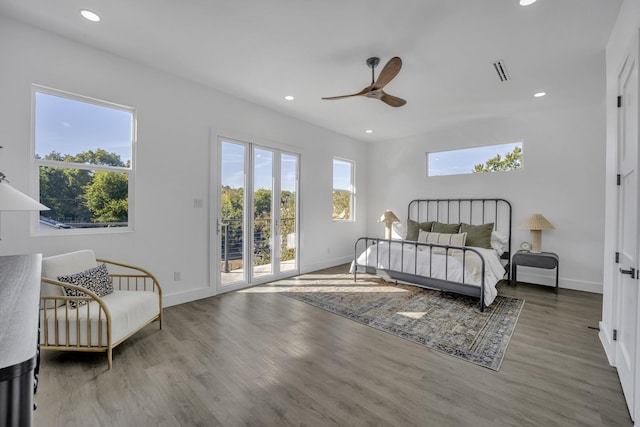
point(388, 218)
point(536, 223)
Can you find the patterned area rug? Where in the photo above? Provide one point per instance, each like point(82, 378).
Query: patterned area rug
point(449, 323)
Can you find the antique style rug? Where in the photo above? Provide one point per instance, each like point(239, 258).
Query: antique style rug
point(449, 323)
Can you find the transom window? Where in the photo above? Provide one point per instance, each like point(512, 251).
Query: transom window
point(491, 158)
point(84, 158)
point(343, 190)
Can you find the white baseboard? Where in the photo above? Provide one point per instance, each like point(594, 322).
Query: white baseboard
point(206, 292)
point(326, 264)
point(576, 285)
point(182, 297)
point(187, 296)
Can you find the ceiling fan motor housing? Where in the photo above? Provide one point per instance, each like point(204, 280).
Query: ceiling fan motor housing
point(373, 62)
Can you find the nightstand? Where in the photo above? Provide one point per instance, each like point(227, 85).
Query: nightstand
point(547, 260)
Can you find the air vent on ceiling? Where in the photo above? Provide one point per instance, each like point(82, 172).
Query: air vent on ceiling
point(501, 69)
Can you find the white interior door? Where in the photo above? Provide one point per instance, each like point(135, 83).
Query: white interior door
point(627, 284)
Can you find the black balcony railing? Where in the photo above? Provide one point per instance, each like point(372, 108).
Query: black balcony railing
point(233, 242)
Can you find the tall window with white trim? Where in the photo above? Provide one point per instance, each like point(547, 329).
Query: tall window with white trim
point(84, 158)
point(344, 193)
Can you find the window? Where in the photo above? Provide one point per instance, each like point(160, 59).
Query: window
point(84, 158)
point(344, 193)
point(492, 158)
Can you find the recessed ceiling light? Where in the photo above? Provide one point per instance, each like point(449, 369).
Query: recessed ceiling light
point(539, 94)
point(526, 2)
point(289, 98)
point(88, 15)
point(369, 131)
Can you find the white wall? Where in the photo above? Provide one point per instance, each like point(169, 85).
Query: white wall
point(562, 178)
point(177, 120)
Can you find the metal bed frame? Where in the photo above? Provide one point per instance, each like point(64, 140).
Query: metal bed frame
point(471, 211)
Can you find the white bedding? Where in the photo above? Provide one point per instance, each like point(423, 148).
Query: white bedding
point(441, 266)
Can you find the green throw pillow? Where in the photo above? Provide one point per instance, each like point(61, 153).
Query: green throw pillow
point(478, 235)
point(439, 227)
point(413, 228)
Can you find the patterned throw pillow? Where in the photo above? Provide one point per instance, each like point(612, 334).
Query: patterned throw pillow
point(95, 279)
point(457, 239)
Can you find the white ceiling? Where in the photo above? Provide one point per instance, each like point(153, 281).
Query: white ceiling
point(262, 50)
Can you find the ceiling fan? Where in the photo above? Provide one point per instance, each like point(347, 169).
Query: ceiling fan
point(390, 70)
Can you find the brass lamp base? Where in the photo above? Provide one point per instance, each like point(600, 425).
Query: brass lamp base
point(387, 230)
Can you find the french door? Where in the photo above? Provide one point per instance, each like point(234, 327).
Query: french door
point(257, 222)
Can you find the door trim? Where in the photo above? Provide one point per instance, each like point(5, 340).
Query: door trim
point(630, 69)
point(215, 139)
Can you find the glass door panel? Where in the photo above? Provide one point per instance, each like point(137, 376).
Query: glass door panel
point(232, 225)
point(262, 212)
point(257, 222)
point(288, 212)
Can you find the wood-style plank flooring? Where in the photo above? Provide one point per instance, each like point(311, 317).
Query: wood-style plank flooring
point(256, 358)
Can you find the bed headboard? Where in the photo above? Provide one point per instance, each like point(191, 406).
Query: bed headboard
point(470, 211)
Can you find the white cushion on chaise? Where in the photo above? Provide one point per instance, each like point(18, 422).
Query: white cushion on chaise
point(103, 322)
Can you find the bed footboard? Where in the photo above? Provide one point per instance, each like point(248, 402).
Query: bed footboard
point(400, 260)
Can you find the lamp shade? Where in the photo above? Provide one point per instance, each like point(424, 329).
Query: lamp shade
point(14, 200)
point(389, 216)
point(536, 222)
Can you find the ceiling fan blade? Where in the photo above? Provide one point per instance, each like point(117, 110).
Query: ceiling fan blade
point(390, 70)
point(341, 96)
point(394, 101)
point(362, 92)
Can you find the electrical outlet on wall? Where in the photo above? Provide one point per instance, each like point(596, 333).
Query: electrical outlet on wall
point(197, 203)
point(177, 276)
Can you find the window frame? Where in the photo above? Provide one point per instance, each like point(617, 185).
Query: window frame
point(351, 192)
point(518, 142)
point(38, 163)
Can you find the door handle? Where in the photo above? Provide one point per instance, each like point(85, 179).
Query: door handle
point(631, 272)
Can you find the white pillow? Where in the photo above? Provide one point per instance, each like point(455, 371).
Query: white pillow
point(499, 242)
point(499, 237)
point(398, 231)
point(442, 239)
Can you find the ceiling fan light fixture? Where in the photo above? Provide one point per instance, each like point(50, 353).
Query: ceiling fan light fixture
point(289, 98)
point(539, 94)
point(527, 2)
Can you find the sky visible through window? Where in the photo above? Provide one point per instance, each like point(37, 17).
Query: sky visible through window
point(342, 175)
point(71, 127)
point(456, 162)
point(233, 168)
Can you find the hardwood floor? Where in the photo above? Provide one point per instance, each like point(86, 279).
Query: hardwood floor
point(257, 358)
